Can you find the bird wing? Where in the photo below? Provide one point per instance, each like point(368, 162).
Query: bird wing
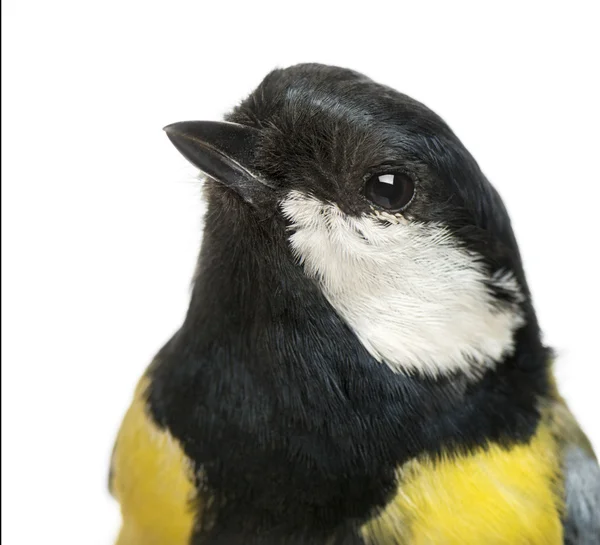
point(581, 475)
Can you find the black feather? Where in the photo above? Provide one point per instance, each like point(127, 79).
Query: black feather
point(295, 429)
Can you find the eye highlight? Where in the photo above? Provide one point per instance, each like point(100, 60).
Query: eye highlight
point(392, 191)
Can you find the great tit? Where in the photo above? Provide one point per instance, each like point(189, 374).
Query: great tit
point(361, 361)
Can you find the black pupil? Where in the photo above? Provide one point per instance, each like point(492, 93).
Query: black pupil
point(390, 191)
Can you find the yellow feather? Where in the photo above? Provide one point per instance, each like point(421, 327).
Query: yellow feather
point(493, 496)
point(152, 481)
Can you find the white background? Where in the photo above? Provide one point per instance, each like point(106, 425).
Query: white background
point(101, 217)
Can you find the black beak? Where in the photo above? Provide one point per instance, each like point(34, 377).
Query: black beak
point(223, 151)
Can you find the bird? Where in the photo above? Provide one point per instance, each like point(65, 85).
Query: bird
point(361, 362)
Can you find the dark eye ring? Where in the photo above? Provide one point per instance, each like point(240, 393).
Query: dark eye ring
point(392, 191)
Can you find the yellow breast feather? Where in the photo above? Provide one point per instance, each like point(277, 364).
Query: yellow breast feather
point(493, 496)
point(151, 480)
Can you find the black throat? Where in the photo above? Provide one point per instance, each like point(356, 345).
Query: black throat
point(294, 429)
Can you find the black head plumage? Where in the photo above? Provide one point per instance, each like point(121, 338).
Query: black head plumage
point(268, 385)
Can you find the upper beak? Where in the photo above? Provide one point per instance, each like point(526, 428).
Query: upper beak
point(224, 151)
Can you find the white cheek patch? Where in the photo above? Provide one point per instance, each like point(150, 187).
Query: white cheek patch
point(416, 300)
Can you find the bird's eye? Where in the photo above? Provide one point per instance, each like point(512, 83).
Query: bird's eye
point(392, 191)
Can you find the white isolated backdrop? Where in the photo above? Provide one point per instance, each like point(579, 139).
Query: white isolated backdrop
point(101, 217)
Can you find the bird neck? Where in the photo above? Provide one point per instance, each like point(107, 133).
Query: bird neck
point(254, 312)
point(264, 374)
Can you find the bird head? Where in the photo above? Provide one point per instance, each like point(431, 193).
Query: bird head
point(381, 206)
